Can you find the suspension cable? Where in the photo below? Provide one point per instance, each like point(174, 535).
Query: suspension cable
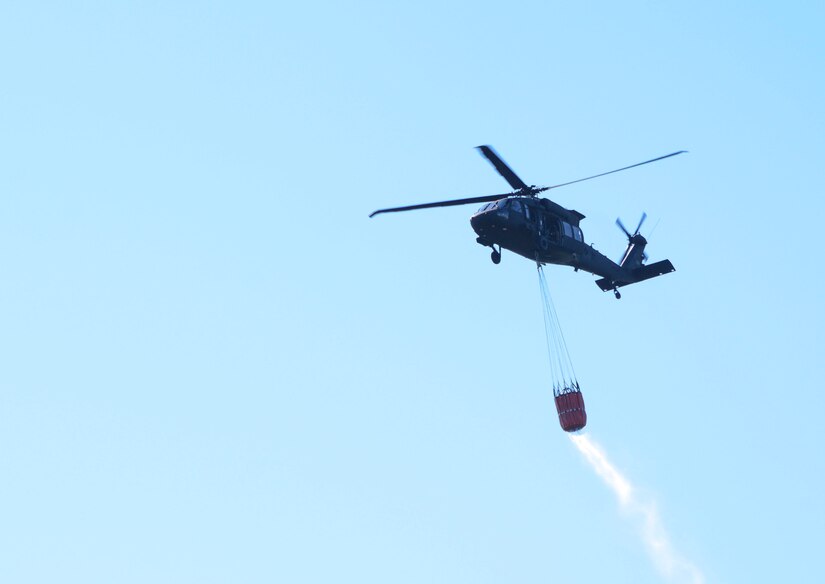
point(561, 366)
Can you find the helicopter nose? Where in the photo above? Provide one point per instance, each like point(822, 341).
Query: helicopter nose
point(482, 223)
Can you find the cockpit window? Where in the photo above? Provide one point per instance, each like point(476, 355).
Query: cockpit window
point(577, 234)
point(568, 231)
point(515, 206)
point(500, 204)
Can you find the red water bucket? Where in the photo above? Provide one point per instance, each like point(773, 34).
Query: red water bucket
point(570, 406)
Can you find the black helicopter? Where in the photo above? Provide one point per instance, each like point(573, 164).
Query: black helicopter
point(547, 233)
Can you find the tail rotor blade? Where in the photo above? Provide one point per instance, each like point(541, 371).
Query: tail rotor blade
point(639, 226)
point(623, 228)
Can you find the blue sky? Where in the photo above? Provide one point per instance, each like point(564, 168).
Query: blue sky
point(217, 368)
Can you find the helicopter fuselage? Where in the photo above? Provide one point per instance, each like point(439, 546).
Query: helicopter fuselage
point(544, 231)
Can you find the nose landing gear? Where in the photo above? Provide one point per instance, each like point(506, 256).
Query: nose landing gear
point(496, 255)
point(616, 293)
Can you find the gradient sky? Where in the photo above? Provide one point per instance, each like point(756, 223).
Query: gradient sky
point(216, 368)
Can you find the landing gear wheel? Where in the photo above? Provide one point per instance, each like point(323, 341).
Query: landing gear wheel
point(616, 293)
point(496, 256)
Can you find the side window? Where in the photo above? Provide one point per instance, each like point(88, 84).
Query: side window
point(527, 211)
point(577, 234)
point(568, 231)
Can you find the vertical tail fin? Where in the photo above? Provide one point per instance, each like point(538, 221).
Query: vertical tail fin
point(635, 254)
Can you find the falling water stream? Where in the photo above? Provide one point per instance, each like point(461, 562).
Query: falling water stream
point(644, 514)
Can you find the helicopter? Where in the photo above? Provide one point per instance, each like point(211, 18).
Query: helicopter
point(545, 232)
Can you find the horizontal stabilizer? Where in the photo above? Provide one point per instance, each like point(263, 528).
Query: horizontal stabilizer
point(606, 284)
point(638, 275)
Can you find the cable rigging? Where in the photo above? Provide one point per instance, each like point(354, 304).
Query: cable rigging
point(566, 391)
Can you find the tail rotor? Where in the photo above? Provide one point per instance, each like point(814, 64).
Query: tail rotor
point(632, 266)
point(635, 242)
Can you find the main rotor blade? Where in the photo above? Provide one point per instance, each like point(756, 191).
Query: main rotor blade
point(618, 169)
point(452, 203)
point(502, 167)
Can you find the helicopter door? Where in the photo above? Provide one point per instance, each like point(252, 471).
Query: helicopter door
point(552, 228)
point(549, 227)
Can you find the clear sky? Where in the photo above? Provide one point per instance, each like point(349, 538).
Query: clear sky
point(216, 368)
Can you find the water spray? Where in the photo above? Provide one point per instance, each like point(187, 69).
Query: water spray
point(644, 513)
